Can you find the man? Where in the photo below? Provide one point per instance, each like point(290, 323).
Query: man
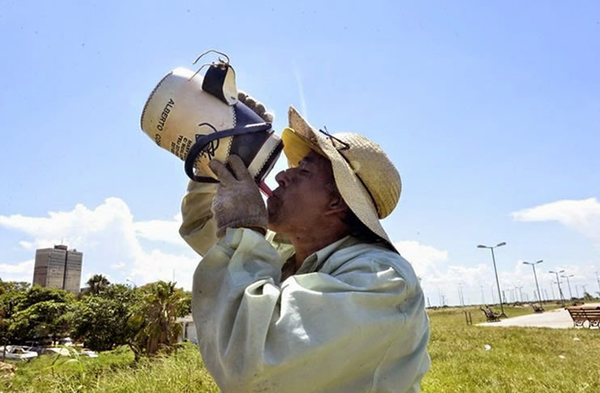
point(324, 305)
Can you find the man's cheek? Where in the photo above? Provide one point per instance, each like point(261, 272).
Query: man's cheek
point(271, 212)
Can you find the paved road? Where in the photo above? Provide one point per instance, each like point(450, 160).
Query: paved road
point(556, 319)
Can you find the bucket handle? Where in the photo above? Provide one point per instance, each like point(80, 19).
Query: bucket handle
point(203, 141)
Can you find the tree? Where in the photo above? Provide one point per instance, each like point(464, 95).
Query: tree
point(44, 319)
point(97, 283)
point(101, 320)
point(11, 295)
point(155, 318)
point(588, 297)
point(36, 313)
point(4, 325)
point(37, 294)
point(13, 286)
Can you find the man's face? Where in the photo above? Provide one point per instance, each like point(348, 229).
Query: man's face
point(302, 197)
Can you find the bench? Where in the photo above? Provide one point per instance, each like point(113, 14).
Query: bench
point(593, 317)
point(580, 315)
point(490, 315)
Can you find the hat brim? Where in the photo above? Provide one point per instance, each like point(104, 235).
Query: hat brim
point(296, 146)
point(300, 138)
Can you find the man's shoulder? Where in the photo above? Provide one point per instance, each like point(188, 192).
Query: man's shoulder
point(375, 256)
point(354, 249)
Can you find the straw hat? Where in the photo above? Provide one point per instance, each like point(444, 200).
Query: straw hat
point(364, 175)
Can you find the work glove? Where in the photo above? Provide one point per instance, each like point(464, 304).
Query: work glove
point(238, 202)
point(256, 106)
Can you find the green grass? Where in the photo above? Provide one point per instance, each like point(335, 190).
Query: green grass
point(524, 360)
point(520, 359)
point(113, 371)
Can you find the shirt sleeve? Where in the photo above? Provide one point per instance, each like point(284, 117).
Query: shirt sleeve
point(198, 228)
point(346, 331)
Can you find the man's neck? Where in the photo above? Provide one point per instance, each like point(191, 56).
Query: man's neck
point(309, 243)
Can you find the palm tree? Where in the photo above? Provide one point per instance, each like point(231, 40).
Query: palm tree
point(97, 283)
point(156, 319)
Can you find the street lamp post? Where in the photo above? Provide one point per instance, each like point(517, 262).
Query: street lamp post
point(536, 280)
point(562, 298)
point(569, 284)
point(520, 293)
point(460, 295)
point(502, 314)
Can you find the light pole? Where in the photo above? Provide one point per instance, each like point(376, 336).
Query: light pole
point(535, 276)
point(461, 299)
point(441, 297)
point(569, 284)
point(562, 298)
point(502, 314)
point(520, 293)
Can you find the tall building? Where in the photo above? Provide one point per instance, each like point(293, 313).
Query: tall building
point(58, 267)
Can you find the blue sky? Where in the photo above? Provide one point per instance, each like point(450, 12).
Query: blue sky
point(489, 111)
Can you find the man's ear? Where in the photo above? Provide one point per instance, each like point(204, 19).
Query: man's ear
point(336, 205)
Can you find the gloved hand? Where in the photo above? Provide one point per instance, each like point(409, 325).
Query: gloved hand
point(238, 202)
point(256, 106)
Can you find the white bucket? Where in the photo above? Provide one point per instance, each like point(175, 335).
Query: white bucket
point(179, 112)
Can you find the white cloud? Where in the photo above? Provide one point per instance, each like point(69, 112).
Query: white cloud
point(109, 238)
point(17, 272)
point(430, 264)
point(580, 215)
point(160, 230)
point(435, 269)
point(18, 268)
point(118, 246)
point(477, 284)
point(445, 281)
point(26, 245)
point(424, 258)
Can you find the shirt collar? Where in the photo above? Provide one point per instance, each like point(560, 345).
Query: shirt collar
point(314, 261)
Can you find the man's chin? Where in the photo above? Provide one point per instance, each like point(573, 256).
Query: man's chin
point(272, 209)
point(272, 225)
point(273, 221)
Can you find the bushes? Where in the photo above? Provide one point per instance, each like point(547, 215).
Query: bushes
point(105, 315)
point(114, 371)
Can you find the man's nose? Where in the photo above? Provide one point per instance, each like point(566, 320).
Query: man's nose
point(283, 178)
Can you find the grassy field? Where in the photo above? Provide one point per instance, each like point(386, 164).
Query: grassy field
point(520, 359)
point(113, 371)
point(464, 359)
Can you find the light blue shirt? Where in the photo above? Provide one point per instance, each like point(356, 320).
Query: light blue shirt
point(352, 318)
point(356, 325)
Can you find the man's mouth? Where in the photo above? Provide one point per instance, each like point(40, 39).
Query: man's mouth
point(275, 197)
point(277, 193)
point(265, 189)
